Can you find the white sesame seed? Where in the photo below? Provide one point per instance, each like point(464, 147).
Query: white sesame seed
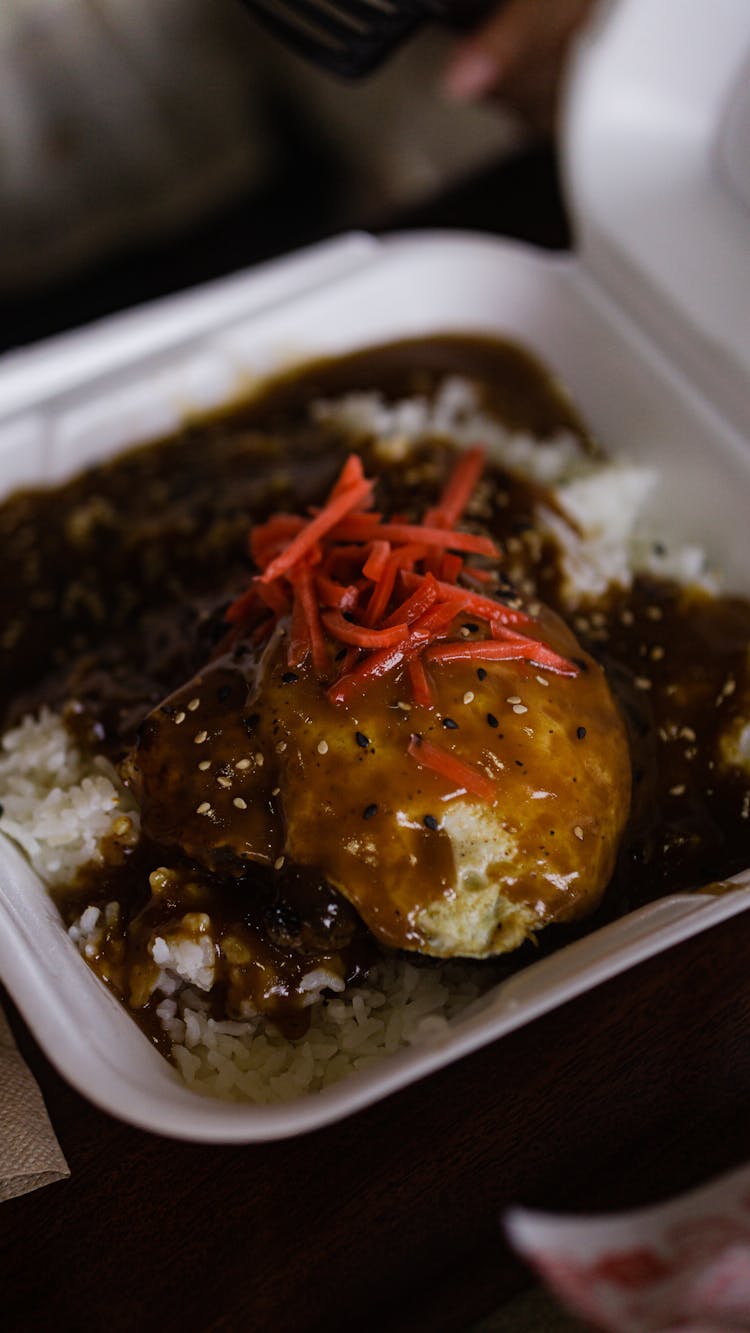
point(322, 747)
point(280, 748)
point(242, 764)
point(275, 791)
point(224, 782)
point(642, 683)
point(520, 708)
point(179, 717)
point(657, 653)
point(204, 764)
point(578, 832)
point(541, 680)
point(204, 808)
point(259, 759)
point(464, 632)
point(194, 703)
point(513, 699)
point(200, 737)
point(405, 708)
point(679, 790)
point(627, 617)
point(278, 863)
point(240, 803)
point(654, 612)
point(469, 697)
point(687, 733)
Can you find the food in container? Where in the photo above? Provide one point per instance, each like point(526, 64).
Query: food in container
point(407, 727)
point(137, 380)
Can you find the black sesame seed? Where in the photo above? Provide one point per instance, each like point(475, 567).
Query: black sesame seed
point(492, 719)
point(430, 822)
point(251, 722)
point(518, 763)
point(481, 673)
point(361, 739)
point(369, 811)
point(289, 678)
point(450, 724)
point(223, 694)
point(580, 733)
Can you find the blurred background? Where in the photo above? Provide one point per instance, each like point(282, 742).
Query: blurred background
point(146, 145)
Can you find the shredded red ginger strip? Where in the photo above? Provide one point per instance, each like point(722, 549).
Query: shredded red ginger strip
point(361, 637)
point(363, 527)
point(456, 771)
point(458, 490)
point(489, 650)
point(420, 685)
point(270, 538)
point(387, 592)
point(331, 593)
point(376, 560)
point(405, 558)
point(351, 473)
point(476, 604)
point(336, 508)
point(421, 633)
point(306, 620)
point(415, 605)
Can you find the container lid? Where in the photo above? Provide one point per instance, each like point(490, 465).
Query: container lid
point(656, 147)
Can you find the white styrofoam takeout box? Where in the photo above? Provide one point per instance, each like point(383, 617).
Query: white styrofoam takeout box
point(83, 396)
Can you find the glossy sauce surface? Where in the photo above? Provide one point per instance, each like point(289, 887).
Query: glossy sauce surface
point(245, 765)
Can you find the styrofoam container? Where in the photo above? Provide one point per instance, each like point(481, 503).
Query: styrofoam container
point(84, 396)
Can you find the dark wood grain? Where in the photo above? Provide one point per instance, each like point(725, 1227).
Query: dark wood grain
point(391, 1219)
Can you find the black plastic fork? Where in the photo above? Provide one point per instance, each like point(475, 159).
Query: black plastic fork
point(346, 37)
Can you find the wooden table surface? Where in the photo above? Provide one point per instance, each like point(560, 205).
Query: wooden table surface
point(389, 1220)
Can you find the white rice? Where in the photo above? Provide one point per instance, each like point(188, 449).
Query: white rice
point(57, 804)
point(400, 1005)
point(454, 413)
point(60, 806)
point(606, 501)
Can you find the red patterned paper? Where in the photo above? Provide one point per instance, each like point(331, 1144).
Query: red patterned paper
point(681, 1267)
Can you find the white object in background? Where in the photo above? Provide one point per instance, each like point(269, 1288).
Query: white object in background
point(657, 170)
point(683, 1265)
point(118, 119)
